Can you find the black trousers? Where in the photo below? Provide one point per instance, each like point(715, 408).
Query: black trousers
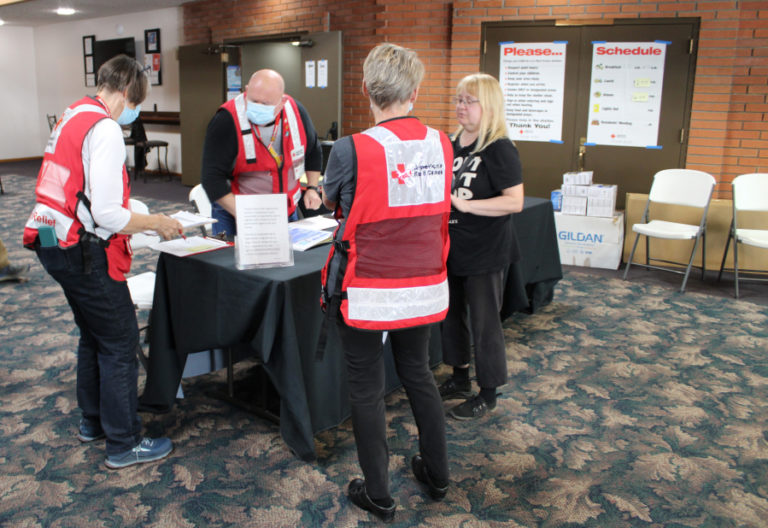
point(475, 302)
point(365, 367)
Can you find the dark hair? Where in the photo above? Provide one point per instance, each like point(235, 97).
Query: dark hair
point(122, 72)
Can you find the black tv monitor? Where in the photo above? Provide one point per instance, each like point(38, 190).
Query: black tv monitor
point(103, 50)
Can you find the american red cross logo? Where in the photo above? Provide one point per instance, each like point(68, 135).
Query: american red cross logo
point(401, 174)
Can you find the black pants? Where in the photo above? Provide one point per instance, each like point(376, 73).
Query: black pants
point(365, 366)
point(475, 302)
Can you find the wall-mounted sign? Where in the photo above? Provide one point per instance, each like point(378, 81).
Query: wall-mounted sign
point(625, 93)
point(532, 77)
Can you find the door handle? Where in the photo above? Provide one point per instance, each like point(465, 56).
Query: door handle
point(582, 152)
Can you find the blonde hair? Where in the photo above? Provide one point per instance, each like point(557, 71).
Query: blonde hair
point(391, 73)
point(487, 90)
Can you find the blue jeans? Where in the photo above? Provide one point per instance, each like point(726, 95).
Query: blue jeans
point(107, 366)
point(226, 222)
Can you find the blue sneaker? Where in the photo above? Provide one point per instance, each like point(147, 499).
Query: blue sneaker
point(148, 450)
point(16, 273)
point(88, 431)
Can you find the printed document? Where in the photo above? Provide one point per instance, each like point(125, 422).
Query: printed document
point(262, 239)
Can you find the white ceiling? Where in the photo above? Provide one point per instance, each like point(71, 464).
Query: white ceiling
point(42, 12)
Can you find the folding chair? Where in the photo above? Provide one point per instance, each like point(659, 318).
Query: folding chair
point(199, 198)
point(684, 187)
point(750, 193)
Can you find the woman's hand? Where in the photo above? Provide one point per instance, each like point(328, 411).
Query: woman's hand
point(167, 227)
point(460, 204)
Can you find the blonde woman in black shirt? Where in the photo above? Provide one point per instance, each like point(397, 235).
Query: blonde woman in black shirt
point(487, 189)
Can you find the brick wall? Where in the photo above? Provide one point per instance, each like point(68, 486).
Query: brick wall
point(729, 129)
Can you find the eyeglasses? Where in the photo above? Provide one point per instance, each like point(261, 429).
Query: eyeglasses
point(464, 101)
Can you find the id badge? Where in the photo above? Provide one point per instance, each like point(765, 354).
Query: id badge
point(297, 196)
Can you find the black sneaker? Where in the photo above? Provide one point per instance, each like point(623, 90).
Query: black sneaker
point(89, 431)
point(475, 407)
point(359, 496)
point(451, 389)
point(10, 272)
point(422, 475)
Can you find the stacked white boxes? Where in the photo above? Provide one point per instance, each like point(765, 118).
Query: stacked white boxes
point(601, 200)
point(592, 242)
point(582, 197)
point(575, 192)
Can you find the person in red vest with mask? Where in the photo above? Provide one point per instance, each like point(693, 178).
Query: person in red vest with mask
point(260, 142)
point(387, 270)
point(80, 229)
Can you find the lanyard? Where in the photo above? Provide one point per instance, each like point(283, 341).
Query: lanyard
point(275, 155)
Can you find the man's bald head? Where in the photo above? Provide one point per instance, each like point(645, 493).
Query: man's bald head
point(266, 87)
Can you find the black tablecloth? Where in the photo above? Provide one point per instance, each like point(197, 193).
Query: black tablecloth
point(203, 302)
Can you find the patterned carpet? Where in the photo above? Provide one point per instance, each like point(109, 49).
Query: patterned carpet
point(628, 405)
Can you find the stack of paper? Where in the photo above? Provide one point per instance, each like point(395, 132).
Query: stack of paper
point(183, 247)
point(310, 232)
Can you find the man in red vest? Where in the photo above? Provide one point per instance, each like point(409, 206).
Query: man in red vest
point(387, 270)
point(260, 142)
point(80, 229)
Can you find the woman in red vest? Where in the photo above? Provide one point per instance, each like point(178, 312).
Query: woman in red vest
point(487, 189)
point(386, 272)
point(80, 229)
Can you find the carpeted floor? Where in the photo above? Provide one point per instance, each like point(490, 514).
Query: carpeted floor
point(628, 404)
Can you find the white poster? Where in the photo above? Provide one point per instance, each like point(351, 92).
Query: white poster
point(322, 73)
point(262, 240)
point(532, 77)
point(309, 72)
point(625, 93)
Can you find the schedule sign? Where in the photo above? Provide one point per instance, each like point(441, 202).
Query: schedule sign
point(625, 93)
point(532, 77)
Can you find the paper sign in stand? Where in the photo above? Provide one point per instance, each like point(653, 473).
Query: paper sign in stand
point(262, 239)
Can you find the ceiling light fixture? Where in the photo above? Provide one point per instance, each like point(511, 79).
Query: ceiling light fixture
point(65, 11)
point(2, 21)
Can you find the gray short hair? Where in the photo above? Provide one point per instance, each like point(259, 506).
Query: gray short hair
point(391, 73)
point(122, 73)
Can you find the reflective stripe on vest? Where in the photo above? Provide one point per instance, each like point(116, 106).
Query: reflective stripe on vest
point(397, 304)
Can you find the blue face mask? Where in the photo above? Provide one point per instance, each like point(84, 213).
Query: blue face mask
point(128, 115)
point(260, 114)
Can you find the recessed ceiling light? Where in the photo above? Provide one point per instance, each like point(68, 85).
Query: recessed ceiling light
point(65, 11)
point(2, 21)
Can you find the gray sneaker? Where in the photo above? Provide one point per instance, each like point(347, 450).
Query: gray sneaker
point(148, 450)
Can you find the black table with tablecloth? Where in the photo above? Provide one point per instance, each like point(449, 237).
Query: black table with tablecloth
point(204, 302)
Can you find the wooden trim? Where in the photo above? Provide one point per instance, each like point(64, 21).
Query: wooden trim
point(11, 160)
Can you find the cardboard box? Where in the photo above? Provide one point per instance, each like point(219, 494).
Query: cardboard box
point(574, 205)
point(591, 242)
point(578, 178)
point(601, 200)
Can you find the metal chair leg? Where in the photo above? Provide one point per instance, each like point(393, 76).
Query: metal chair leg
point(690, 265)
point(631, 255)
point(736, 265)
point(725, 253)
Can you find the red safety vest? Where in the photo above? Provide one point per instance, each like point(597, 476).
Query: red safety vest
point(396, 236)
point(255, 161)
point(60, 191)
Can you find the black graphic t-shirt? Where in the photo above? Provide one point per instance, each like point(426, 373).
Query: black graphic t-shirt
point(483, 244)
